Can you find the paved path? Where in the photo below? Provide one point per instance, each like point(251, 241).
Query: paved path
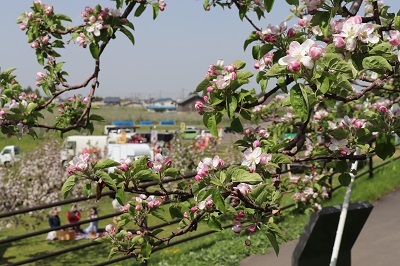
point(377, 245)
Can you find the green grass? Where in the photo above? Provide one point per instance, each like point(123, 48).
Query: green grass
point(221, 248)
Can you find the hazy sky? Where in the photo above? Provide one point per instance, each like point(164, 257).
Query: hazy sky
point(169, 59)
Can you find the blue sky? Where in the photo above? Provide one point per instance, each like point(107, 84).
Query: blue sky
point(169, 59)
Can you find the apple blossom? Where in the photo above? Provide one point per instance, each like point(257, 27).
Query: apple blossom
point(95, 28)
point(251, 158)
point(340, 145)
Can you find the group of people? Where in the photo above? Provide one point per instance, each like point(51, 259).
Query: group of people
point(73, 216)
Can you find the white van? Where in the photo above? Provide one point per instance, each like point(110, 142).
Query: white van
point(134, 151)
point(75, 145)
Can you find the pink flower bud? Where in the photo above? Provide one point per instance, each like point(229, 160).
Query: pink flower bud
point(291, 32)
point(193, 209)
point(338, 42)
point(34, 44)
point(252, 228)
point(205, 98)
point(247, 242)
point(198, 178)
point(138, 207)
point(241, 215)
point(293, 66)
point(256, 143)
point(22, 27)
point(199, 105)
point(382, 109)
point(236, 227)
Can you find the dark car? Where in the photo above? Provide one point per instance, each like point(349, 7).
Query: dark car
point(228, 130)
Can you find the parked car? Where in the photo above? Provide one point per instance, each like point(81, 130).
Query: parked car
point(9, 155)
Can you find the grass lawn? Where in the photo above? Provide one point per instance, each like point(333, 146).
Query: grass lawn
point(220, 248)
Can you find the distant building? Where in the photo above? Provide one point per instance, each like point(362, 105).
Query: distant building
point(187, 104)
point(112, 101)
point(162, 105)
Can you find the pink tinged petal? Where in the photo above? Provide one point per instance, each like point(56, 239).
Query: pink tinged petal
point(307, 62)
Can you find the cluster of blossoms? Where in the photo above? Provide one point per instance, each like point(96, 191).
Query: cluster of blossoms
point(66, 107)
point(204, 204)
point(350, 123)
point(306, 192)
point(304, 23)
point(351, 30)
point(369, 8)
point(206, 165)
point(125, 164)
point(96, 21)
point(271, 33)
point(225, 74)
point(265, 61)
point(160, 163)
point(320, 114)
point(312, 5)
point(237, 226)
point(161, 5)
point(149, 201)
point(79, 163)
point(303, 54)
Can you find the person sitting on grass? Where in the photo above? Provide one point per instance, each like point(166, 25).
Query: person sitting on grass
point(93, 225)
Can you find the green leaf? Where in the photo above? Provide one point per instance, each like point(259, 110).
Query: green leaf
point(128, 34)
point(146, 250)
point(97, 118)
point(340, 133)
point(385, 146)
point(236, 125)
point(156, 9)
point(87, 189)
point(293, 2)
point(276, 70)
point(107, 179)
point(325, 85)
point(147, 175)
point(252, 37)
point(63, 17)
point(112, 253)
point(239, 64)
point(218, 200)
point(31, 107)
point(140, 9)
point(397, 23)
point(210, 121)
point(377, 64)
point(214, 224)
point(274, 243)
point(171, 172)
point(382, 48)
point(159, 213)
point(105, 163)
point(280, 158)
point(68, 185)
point(120, 196)
point(244, 176)
point(299, 101)
point(231, 105)
point(345, 179)
point(268, 4)
point(203, 85)
point(341, 166)
point(175, 212)
point(94, 50)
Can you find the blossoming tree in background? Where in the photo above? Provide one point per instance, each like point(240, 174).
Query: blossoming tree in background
point(327, 55)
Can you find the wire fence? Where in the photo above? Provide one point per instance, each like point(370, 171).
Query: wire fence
point(370, 170)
